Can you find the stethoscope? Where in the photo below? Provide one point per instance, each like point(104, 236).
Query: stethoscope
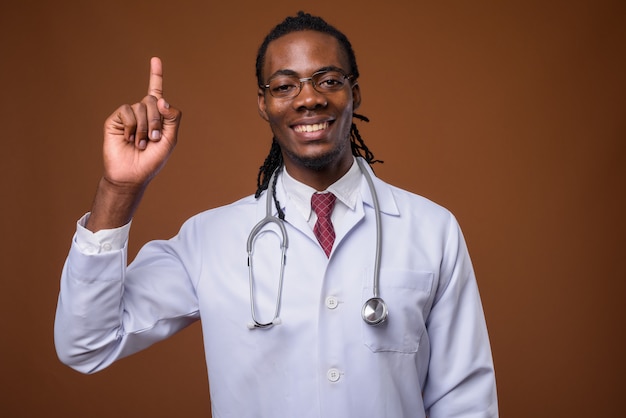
point(374, 311)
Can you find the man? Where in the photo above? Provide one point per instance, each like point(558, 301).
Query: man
point(309, 353)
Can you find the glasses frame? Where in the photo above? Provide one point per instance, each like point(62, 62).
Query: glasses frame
point(306, 79)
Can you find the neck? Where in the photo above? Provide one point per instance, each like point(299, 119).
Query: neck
point(319, 178)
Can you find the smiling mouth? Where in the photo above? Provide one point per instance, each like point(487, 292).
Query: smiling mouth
point(311, 128)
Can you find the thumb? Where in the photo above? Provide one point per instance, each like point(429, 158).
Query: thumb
point(171, 117)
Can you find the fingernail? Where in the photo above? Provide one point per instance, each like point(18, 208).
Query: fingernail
point(166, 104)
point(142, 144)
point(131, 138)
point(156, 134)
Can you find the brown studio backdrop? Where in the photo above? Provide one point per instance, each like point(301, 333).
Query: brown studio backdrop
point(511, 114)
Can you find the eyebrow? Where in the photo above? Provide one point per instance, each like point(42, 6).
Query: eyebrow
point(319, 70)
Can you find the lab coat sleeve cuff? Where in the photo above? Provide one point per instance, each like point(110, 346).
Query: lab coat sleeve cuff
point(103, 241)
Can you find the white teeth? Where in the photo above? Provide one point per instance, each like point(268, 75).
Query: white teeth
point(311, 128)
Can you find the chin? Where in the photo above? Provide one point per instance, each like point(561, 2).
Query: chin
point(318, 162)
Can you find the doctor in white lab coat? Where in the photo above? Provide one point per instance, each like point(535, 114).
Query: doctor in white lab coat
point(430, 357)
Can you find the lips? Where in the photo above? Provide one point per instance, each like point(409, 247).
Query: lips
point(314, 127)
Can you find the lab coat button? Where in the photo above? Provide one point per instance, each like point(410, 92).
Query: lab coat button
point(90, 249)
point(106, 247)
point(333, 375)
point(331, 302)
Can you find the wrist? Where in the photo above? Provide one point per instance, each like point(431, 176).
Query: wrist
point(120, 188)
point(114, 204)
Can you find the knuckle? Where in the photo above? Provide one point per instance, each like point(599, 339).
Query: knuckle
point(150, 99)
point(139, 105)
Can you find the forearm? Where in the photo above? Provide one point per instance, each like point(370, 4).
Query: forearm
point(114, 205)
point(461, 380)
point(89, 311)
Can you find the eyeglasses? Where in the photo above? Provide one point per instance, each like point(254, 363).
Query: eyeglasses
point(289, 86)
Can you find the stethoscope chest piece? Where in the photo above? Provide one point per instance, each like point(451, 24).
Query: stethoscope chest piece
point(374, 311)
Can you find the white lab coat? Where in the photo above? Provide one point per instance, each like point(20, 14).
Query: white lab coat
point(432, 354)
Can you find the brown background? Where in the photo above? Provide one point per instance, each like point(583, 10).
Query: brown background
point(511, 114)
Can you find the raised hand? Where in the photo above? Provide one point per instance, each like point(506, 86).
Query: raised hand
point(138, 139)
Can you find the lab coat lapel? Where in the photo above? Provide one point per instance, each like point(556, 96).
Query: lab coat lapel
point(386, 203)
point(292, 217)
point(386, 200)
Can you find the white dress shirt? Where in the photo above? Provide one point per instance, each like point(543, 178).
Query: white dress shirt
point(346, 189)
point(432, 356)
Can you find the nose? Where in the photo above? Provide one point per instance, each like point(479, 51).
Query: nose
point(309, 97)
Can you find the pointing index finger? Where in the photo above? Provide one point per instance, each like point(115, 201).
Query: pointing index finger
point(155, 87)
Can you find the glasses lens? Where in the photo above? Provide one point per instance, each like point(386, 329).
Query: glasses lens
point(284, 86)
point(288, 86)
point(328, 81)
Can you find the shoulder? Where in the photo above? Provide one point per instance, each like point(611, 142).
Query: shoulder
point(240, 212)
point(410, 204)
point(423, 205)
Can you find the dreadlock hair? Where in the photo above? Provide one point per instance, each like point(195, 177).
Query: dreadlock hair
point(301, 22)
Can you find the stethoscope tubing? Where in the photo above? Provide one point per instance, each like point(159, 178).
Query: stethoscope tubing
point(284, 243)
point(379, 238)
point(374, 310)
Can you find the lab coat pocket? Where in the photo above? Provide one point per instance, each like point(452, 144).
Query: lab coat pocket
point(408, 297)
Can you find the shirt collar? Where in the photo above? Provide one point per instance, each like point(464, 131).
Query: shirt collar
point(346, 189)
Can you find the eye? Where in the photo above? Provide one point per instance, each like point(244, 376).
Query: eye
point(330, 80)
point(283, 86)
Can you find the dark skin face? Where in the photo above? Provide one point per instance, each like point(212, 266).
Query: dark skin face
point(312, 129)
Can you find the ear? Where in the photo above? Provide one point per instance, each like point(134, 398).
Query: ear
point(356, 96)
point(262, 104)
